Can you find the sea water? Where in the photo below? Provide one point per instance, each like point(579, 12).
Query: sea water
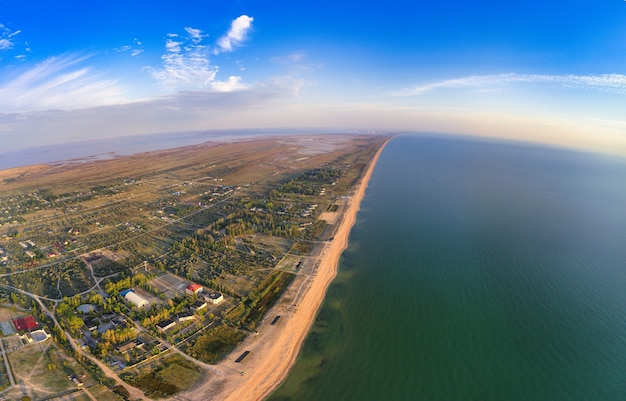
point(476, 270)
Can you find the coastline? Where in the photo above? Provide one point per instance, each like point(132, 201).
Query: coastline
point(273, 351)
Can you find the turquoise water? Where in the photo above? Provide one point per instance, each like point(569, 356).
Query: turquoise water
point(476, 271)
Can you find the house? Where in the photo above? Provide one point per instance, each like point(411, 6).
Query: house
point(132, 297)
point(76, 380)
point(85, 309)
point(40, 335)
point(165, 325)
point(27, 323)
point(185, 316)
point(214, 298)
point(91, 324)
point(126, 346)
point(194, 289)
point(199, 305)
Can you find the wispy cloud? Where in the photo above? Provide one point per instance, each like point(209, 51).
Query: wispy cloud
point(61, 83)
point(7, 37)
point(196, 35)
point(135, 49)
point(176, 112)
point(233, 84)
point(608, 82)
point(236, 35)
point(293, 57)
point(186, 63)
point(295, 63)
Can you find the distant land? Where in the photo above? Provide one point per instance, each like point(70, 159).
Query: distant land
point(107, 148)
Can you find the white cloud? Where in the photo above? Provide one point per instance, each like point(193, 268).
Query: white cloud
point(5, 44)
point(185, 65)
point(172, 46)
point(60, 83)
point(236, 35)
point(195, 34)
point(134, 51)
point(608, 82)
point(294, 57)
point(233, 84)
point(6, 37)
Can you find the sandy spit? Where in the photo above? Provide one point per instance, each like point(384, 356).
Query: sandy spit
point(274, 349)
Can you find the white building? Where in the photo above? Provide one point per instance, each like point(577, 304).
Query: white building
point(134, 298)
point(214, 297)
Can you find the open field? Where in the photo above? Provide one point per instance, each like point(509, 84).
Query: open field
point(42, 371)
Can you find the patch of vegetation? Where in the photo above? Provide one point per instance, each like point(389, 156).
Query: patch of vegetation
point(266, 295)
point(310, 182)
point(153, 385)
point(121, 391)
point(168, 378)
point(105, 267)
point(215, 343)
point(62, 279)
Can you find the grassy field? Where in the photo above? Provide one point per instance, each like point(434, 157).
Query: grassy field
point(165, 377)
point(42, 370)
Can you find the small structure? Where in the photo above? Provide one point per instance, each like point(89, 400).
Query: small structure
point(126, 346)
point(185, 316)
point(27, 323)
point(214, 298)
point(85, 309)
point(165, 325)
point(3, 255)
point(131, 297)
point(199, 305)
point(40, 336)
point(194, 289)
point(7, 328)
point(76, 380)
point(91, 324)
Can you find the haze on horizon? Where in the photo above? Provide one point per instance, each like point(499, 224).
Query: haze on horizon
point(548, 72)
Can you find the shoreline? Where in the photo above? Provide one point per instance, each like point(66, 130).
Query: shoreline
point(273, 351)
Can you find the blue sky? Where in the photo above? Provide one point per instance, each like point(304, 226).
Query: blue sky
point(542, 71)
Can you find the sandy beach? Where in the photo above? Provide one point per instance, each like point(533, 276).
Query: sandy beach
point(273, 351)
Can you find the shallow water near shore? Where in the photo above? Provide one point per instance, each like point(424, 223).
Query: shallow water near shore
point(476, 270)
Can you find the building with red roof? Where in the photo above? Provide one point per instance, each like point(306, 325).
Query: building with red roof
point(194, 289)
point(27, 323)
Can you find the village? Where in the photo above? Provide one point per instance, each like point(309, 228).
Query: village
point(130, 276)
